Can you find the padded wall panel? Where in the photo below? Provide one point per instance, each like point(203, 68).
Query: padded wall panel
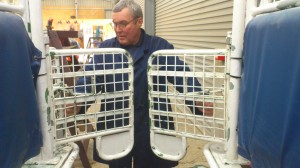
point(269, 115)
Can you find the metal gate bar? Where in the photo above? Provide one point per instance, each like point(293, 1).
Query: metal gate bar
point(116, 71)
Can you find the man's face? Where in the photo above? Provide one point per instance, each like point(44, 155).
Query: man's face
point(126, 27)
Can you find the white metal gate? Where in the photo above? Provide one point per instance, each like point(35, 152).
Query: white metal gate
point(183, 116)
point(93, 100)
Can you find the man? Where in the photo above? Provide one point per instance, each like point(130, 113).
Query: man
point(128, 18)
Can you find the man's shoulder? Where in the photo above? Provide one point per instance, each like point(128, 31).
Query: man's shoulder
point(156, 38)
point(158, 42)
point(109, 43)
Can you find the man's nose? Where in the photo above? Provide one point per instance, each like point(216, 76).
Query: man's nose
point(118, 29)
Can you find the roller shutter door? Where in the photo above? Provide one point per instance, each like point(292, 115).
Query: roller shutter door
point(196, 24)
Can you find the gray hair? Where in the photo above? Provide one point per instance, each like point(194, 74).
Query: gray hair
point(133, 7)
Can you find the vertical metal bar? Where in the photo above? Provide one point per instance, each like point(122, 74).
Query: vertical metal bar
point(26, 17)
point(238, 28)
point(35, 12)
point(76, 8)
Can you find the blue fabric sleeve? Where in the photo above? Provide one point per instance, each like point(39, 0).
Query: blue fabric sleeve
point(173, 63)
point(193, 84)
point(83, 84)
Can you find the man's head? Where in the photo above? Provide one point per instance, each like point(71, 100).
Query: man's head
point(127, 18)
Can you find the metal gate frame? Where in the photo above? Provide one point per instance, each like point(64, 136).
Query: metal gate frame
point(170, 143)
point(84, 124)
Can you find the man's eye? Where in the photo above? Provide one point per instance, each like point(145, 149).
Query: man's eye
point(122, 24)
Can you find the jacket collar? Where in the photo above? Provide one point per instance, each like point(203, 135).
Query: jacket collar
point(142, 44)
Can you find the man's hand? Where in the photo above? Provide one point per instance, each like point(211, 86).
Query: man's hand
point(205, 107)
point(72, 109)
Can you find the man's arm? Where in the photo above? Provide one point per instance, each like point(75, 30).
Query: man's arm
point(205, 107)
point(73, 109)
point(193, 85)
point(83, 86)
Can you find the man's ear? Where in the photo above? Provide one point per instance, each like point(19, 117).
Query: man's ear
point(140, 21)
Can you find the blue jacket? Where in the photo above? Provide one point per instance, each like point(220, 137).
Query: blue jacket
point(140, 54)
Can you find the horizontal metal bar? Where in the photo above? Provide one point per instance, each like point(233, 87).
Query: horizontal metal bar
point(93, 135)
point(207, 98)
point(91, 116)
point(90, 73)
point(187, 74)
point(12, 8)
point(193, 51)
point(189, 116)
point(60, 52)
point(275, 6)
point(188, 135)
point(94, 97)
